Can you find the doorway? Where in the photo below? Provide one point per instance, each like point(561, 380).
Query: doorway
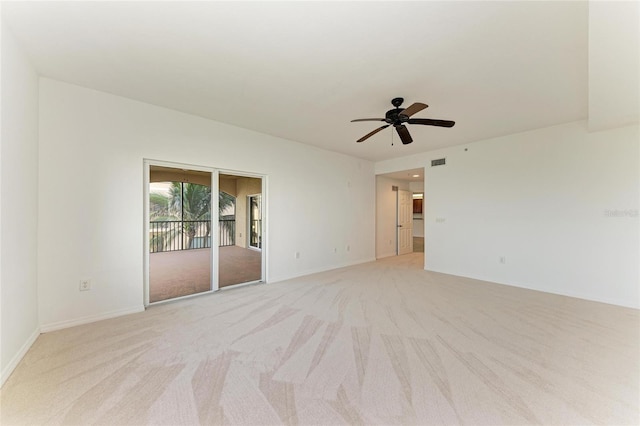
point(397, 211)
point(418, 222)
point(202, 230)
point(405, 222)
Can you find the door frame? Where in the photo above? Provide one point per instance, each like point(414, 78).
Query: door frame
point(399, 227)
point(386, 206)
point(214, 214)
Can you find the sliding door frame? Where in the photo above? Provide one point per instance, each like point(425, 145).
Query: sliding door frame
point(214, 214)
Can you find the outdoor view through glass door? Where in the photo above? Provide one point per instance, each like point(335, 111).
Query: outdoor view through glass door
point(255, 221)
point(179, 232)
point(240, 230)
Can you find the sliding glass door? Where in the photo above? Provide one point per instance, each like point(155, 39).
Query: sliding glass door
point(204, 230)
point(179, 232)
point(238, 261)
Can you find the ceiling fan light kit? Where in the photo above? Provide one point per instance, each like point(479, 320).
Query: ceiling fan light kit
point(397, 117)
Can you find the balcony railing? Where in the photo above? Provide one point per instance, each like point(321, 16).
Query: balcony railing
point(227, 232)
point(174, 235)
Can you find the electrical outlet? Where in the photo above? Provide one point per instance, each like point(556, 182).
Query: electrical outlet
point(85, 284)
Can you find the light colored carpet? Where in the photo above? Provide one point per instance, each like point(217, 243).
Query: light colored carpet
point(378, 343)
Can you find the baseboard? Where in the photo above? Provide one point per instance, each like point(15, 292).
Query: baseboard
point(318, 270)
point(573, 295)
point(45, 328)
point(388, 254)
point(18, 357)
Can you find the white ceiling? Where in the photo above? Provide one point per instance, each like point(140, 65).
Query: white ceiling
point(303, 70)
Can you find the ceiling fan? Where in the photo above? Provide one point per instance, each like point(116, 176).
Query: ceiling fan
point(397, 116)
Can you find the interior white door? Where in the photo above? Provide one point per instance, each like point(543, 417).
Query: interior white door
point(405, 222)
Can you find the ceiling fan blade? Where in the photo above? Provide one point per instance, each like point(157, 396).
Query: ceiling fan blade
point(412, 109)
point(403, 132)
point(368, 135)
point(431, 122)
point(367, 119)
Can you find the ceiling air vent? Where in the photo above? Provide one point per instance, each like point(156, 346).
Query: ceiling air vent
point(438, 162)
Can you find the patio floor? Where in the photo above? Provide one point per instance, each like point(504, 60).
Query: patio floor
point(180, 273)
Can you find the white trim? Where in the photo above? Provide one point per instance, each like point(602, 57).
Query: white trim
point(230, 172)
point(387, 254)
point(574, 295)
point(175, 165)
point(265, 233)
point(6, 373)
point(214, 214)
point(145, 232)
point(232, 286)
point(318, 270)
point(186, 296)
point(45, 328)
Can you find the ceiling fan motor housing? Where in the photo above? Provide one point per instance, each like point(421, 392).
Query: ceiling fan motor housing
point(394, 117)
point(396, 102)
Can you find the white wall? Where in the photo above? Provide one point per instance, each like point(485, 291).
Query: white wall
point(92, 147)
point(614, 64)
point(19, 205)
point(386, 215)
point(416, 186)
point(560, 204)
